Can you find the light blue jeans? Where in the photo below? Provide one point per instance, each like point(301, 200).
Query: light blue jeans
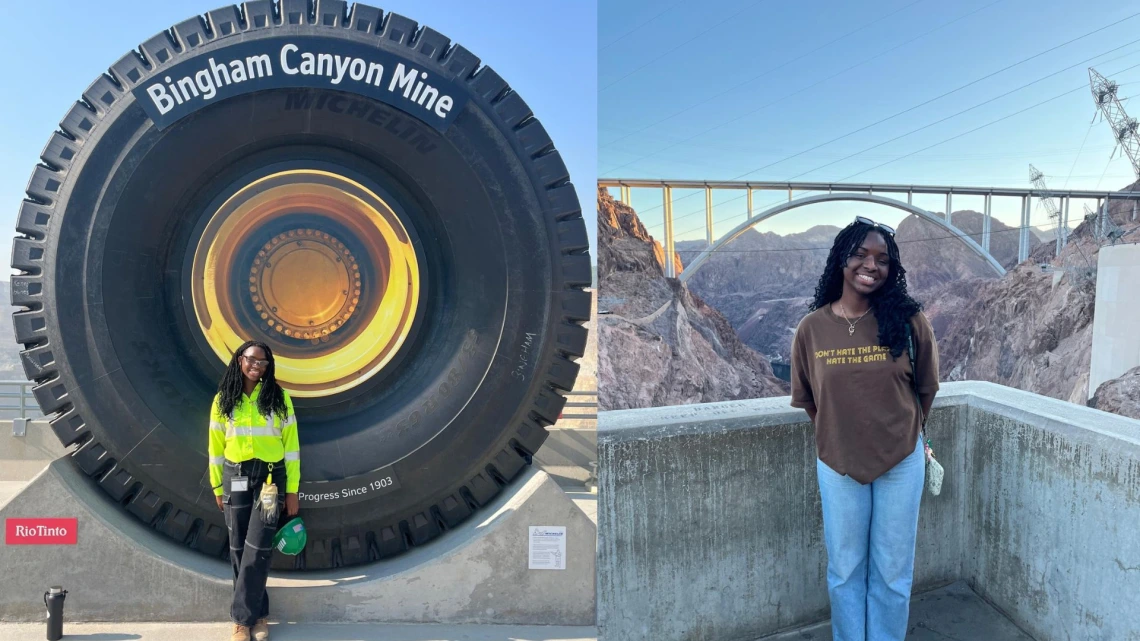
point(869, 531)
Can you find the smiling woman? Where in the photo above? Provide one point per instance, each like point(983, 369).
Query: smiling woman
point(850, 375)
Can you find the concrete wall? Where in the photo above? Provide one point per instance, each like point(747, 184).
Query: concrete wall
point(710, 525)
point(23, 457)
point(1116, 343)
point(1053, 512)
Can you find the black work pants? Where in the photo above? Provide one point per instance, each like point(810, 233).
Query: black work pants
point(251, 539)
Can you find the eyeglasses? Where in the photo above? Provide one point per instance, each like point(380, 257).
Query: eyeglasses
point(868, 221)
point(254, 361)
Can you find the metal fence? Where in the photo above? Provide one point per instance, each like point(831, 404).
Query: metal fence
point(581, 410)
point(17, 400)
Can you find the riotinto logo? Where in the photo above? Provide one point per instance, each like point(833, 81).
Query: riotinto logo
point(35, 531)
point(317, 63)
point(39, 530)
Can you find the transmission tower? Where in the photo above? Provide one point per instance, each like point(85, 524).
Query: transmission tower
point(1038, 180)
point(1104, 229)
point(1124, 129)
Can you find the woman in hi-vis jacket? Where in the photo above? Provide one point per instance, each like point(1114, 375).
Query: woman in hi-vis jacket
point(255, 469)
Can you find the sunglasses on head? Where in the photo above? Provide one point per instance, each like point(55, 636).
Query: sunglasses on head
point(868, 221)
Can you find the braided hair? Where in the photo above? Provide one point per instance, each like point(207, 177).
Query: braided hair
point(892, 305)
point(270, 401)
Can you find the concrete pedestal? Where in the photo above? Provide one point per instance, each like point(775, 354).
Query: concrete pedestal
point(1115, 341)
point(477, 573)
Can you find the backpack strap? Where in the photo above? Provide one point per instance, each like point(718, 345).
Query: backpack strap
point(914, 374)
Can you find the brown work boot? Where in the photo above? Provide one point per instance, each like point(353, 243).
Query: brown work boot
point(261, 630)
point(241, 633)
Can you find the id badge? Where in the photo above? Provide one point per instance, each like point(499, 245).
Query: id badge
point(239, 484)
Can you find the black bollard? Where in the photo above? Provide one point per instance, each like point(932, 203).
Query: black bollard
point(53, 599)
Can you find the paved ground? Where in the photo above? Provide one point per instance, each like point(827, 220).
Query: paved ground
point(297, 632)
point(8, 489)
point(952, 613)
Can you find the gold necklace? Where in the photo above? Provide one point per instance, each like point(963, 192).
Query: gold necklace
point(850, 325)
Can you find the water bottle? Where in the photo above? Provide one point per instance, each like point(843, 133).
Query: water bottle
point(53, 599)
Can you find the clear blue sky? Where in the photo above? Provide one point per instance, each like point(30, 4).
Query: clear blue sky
point(55, 49)
point(721, 90)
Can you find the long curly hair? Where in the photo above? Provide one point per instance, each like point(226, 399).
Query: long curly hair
point(271, 399)
point(892, 305)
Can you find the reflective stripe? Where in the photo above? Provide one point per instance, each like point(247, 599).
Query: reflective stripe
point(218, 460)
point(249, 435)
point(292, 456)
point(216, 426)
point(256, 431)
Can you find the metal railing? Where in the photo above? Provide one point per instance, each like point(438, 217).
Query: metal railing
point(25, 405)
point(582, 405)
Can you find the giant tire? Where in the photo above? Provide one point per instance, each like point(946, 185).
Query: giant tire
point(107, 241)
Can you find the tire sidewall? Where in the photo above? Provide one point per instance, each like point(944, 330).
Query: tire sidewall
point(100, 385)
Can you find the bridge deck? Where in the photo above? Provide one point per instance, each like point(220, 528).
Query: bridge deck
point(870, 192)
point(889, 188)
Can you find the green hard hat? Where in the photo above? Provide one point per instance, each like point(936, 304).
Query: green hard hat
point(291, 538)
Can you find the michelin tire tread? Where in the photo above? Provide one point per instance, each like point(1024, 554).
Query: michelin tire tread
point(43, 365)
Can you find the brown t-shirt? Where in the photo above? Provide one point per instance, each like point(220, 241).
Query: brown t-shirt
point(867, 417)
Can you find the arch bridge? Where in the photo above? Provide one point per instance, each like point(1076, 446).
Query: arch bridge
point(883, 194)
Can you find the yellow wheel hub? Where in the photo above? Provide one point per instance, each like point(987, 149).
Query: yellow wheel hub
point(275, 264)
point(305, 284)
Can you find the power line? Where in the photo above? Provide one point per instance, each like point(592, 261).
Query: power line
point(955, 137)
point(811, 86)
point(992, 122)
point(683, 44)
point(965, 155)
point(1095, 31)
point(1104, 172)
point(968, 109)
point(965, 133)
point(923, 104)
point(939, 143)
point(1078, 157)
point(940, 121)
point(761, 75)
point(638, 27)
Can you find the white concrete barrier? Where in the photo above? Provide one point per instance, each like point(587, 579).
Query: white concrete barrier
point(119, 570)
point(23, 457)
point(1115, 341)
point(709, 522)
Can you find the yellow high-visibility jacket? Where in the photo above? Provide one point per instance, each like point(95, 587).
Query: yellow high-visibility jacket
point(250, 435)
